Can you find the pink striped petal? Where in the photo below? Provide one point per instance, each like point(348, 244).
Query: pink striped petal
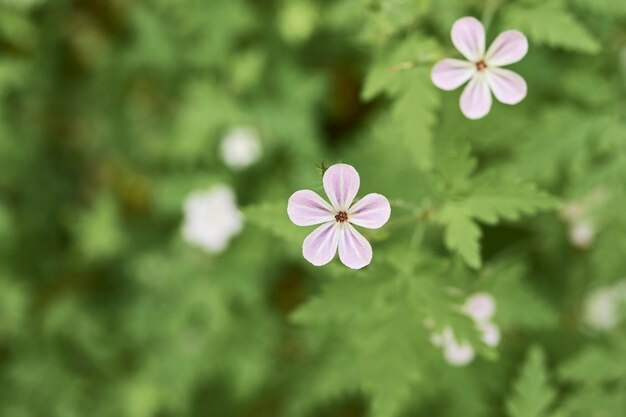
point(372, 211)
point(508, 48)
point(341, 182)
point(476, 98)
point(320, 246)
point(354, 250)
point(449, 74)
point(468, 36)
point(306, 208)
point(507, 86)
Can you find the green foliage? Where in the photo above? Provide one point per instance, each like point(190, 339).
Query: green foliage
point(533, 395)
point(551, 23)
point(112, 113)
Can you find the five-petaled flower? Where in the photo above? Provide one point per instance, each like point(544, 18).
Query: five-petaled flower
point(482, 69)
point(307, 208)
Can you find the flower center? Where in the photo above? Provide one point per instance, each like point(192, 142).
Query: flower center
point(341, 217)
point(481, 65)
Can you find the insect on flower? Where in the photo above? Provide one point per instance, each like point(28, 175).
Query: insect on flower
point(482, 69)
point(307, 208)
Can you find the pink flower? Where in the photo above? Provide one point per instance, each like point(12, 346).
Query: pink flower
point(306, 208)
point(482, 69)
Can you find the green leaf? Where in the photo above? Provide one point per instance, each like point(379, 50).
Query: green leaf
point(533, 395)
point(490, 200)
point(462, 234)
point(493, 199)
point(607, 8)
point(402, 75)
point(595, 366)
point(550, 23)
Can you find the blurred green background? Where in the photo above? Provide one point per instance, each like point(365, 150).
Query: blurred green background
point(113, 113)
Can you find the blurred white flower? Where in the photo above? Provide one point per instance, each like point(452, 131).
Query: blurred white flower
point(491, 334)
point(581, 234)
point(211, 218)
point(240, 148)
point(455, 353)
point(481, 307)
point(601, 310)
point(458, 354)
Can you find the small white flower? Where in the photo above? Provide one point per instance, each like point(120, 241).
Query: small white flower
point(455, 353)
point(491, 334)
point(211, 218)
point(458, 354)
point(581, 235)
point(240, 148)
point(602, 307)
point(481, 307)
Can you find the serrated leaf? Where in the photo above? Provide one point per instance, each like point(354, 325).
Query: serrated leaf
point(550, 23)
point(532, 394)
point(462, 234)
point(413, 113)
point(492, 200)
point(595, 366)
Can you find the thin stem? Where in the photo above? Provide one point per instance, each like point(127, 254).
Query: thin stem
point(416, 238)
point(490, 8)
point(424, 60)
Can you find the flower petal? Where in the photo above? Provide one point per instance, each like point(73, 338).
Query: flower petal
point(507, 86)
point(372, 211)
point(468, 36)
point(341, 182)
point(508, 48)
point(320, 246)
point(354, 250)
point(306, 208)
point(476, 98)
point(449, 74)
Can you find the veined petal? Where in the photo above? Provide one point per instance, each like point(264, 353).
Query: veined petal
point(506, 85)
point(354, 250)
point(306, 208)
point(341, 183)
point(372, 211)
point(320, 246)
point(468, 36)
point(508, 48)
point(449, 73)
point(476, 98)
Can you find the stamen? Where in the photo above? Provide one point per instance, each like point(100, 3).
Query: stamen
point(341, 217)
point(481, 65)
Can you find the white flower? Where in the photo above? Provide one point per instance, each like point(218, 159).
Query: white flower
point(240, 148)
point(482, 68)
point(491, 334)
point(337, 233)
point(481, 307)
point(211, 218)
point(455, 353)
point(602, 307)
point(458, 354)
point(581, 235)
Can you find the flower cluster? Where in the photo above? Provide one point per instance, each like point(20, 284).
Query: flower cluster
point(481, 307)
